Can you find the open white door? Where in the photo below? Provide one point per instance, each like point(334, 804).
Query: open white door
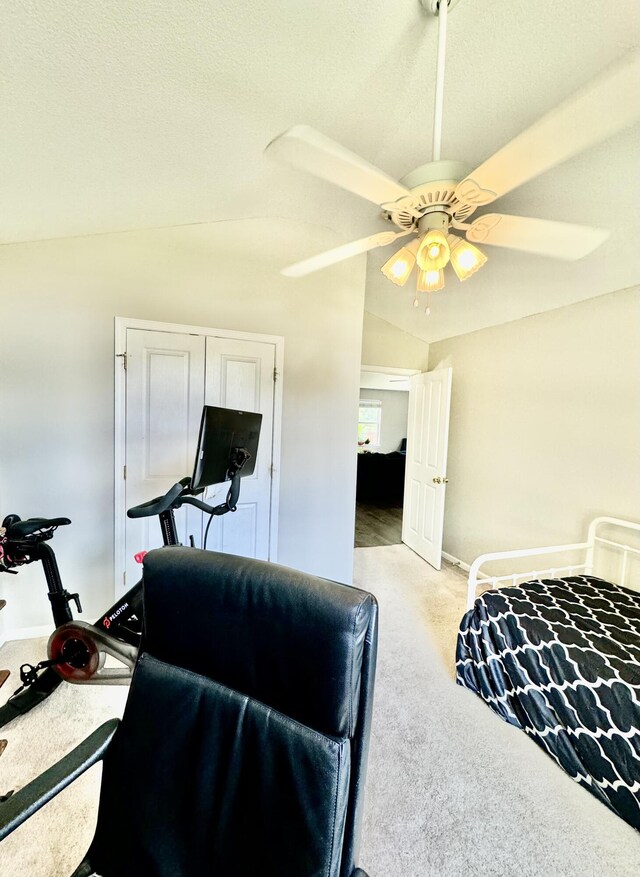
point(425, 474)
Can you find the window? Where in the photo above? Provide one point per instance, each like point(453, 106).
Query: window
point(369, 419)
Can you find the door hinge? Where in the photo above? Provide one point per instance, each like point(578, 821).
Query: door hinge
point(124, 473)
point(123, 356)
point(275, 375)
point(124, 578)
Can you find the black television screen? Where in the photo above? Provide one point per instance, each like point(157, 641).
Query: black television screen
point(222, 430)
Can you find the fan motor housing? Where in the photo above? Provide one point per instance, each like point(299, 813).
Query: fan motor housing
point(433, 186)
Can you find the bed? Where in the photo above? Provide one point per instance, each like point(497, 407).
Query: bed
point(556, 652)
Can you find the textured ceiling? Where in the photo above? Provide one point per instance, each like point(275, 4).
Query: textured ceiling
point(119, 115)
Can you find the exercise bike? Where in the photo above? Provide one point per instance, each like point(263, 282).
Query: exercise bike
point(76, 650)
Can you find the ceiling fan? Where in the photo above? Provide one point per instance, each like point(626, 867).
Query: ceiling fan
point(441, 196)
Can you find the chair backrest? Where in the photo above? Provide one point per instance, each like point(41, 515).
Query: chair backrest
point(243, 746)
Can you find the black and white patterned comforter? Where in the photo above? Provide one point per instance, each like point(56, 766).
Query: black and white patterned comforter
point(560, 658)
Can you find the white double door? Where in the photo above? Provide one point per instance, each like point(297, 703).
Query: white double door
point(169, 377)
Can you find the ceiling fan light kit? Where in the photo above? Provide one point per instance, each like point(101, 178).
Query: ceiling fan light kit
point(433, 252)
point(441, 195)
point(399, 267)
point(465, 258)
point(431, 280)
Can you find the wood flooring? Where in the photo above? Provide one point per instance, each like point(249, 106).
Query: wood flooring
point(378, 524)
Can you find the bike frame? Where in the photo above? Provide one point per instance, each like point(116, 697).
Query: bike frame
point(118, 631)
point(114, 621)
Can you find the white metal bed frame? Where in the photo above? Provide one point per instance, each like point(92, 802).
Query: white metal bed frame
point(476, 578)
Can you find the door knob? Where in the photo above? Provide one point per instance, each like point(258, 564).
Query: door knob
point(437, 480)
point(445, 480)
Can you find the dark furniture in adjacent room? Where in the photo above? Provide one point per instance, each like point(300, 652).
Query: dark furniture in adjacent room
point(381, 478)
point(243, 747)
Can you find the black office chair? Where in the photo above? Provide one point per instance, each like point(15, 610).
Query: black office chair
point(243, 746)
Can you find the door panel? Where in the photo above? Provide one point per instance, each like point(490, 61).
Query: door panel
point(240, 374)
point(428, 434)
point(429, 513)
point(414, 500)
point(432, 433)
point(164, 398)
point(238, 535)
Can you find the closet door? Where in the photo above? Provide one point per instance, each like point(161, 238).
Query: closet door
point(169, 374)
point(241, 375)
point(165, 378)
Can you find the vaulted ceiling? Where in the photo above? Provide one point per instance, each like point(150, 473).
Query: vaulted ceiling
point(117, 115)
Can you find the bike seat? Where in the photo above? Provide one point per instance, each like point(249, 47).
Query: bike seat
point(20, 529)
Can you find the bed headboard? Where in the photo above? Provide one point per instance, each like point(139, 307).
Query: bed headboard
point(611, 550)
point(622, 540)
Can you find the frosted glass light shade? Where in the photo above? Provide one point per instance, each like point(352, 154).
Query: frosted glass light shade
point(465, 258)
point(434, 250)
point(398, 268)
point(431, 280)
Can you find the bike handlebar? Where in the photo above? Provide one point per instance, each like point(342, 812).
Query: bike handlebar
point(191, 500)
point(157, 505)
point(182, 494)
point(178, 495)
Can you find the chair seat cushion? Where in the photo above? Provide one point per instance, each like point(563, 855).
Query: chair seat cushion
point(202, 780)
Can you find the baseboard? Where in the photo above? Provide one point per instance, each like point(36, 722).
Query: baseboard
point(455, 561)
point(26, 632)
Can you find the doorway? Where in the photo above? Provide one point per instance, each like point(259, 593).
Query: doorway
point(404, 489)
point(382, 439)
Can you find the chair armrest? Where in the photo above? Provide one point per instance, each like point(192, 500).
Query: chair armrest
point(27, 800)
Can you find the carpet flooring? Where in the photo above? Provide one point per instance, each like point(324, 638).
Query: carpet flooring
point(451, 791)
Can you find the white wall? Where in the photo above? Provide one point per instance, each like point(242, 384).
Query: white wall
point(545, 426)
point(395, 410)
point(59, 299)
point(385, 344)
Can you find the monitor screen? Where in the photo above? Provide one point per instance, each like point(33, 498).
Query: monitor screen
point(222, 430)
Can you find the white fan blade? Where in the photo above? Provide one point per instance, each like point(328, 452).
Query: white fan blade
point(605, 106)
point(560, 240)
point(330, 257)
point(309, 150)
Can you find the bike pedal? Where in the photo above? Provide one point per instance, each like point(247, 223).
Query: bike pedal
point(4, 675)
